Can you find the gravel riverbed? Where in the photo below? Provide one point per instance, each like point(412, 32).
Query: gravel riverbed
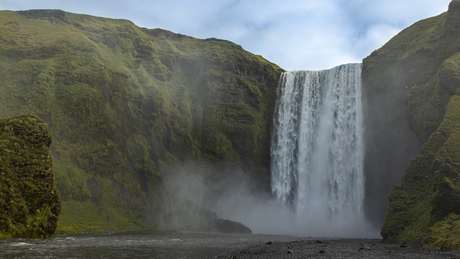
point(192, 245)
point(337, 248)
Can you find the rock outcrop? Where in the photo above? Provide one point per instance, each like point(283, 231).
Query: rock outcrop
point(413, 80)
point(190, 216)
point(124, 104)
point(29, 200)
point(233, 227)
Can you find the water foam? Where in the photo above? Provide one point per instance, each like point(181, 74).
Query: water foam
point(317, 149)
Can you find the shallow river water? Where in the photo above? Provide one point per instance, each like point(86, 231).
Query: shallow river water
point(132, 245)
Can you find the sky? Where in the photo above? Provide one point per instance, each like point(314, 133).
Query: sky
point(294, 34)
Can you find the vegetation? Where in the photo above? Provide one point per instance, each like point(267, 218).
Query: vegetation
point(124, 104)
point(29, 199)
point(420, 68)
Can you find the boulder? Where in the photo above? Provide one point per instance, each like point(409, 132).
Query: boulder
point(29, 200)
point(228, 226)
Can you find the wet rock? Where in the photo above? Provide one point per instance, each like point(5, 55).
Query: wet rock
point(228, 226)
point(68, 82)
point(246, 252)
point(364, 248)
point(445, 248)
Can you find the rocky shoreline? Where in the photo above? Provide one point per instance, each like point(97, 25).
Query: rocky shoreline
point(338, 248)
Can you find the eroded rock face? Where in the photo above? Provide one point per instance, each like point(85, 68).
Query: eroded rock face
point(29, 200)
point(412, 83)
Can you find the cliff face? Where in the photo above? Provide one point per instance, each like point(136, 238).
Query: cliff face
point(413, 80)
point(124, 104)
point(29, 199)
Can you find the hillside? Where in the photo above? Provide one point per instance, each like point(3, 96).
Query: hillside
point(411, 85)
point(125, 104)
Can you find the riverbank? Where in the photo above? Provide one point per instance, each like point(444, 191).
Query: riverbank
point(337, 248)
point(142, 244)
point(191, 245)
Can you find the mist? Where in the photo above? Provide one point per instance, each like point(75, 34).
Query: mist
point(317, 177)
point(267, 216)
point(228, 191)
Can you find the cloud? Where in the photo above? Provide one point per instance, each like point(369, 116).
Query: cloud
point(295, 34)
point(375, 36)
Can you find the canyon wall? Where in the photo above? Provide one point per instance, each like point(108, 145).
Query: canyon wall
point(124, 105)
point(411, 101)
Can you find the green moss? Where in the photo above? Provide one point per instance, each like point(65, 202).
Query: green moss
point(124, 104)
point(445, 232)
point(430, 184)
point(29, 200)
point(88, 217)
point(417, 72)
point(425, 104)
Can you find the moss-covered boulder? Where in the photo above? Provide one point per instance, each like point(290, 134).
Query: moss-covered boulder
point(125, 104)
point(417, 75)
point(29, 200)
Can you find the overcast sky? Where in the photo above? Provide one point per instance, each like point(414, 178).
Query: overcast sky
point(295, 34)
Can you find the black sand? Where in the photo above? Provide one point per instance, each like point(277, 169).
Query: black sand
point(338, 248)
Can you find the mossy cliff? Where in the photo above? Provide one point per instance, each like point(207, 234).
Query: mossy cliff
point(412, 83)
point(29, 199)
point(124, 104)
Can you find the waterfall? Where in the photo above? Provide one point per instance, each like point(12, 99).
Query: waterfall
point(317, 148)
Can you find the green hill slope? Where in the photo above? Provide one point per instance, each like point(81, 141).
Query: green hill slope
point(418, 72)
point(124, 104)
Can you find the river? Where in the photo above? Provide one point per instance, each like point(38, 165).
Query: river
point(151, 244)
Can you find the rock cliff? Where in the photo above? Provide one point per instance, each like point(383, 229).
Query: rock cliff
point(412, 83)
point(124, 104)
point(29, 200)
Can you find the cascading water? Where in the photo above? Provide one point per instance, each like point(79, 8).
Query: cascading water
point(317, 148)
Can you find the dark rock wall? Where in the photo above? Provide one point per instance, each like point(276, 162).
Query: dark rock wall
point(410, 88)
point(29, 200)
